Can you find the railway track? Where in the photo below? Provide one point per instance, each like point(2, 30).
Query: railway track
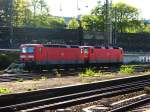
point(132, 105)
point(126, 103)
point(144, 108)
point(62, 97)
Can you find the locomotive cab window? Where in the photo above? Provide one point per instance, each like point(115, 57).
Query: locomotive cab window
point(30, 50)
point(86, 50)
point(27, 50)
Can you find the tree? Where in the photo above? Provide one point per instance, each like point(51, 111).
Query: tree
point(91, 22)
point(56, 23)
point(4, 12)
point(73, 24)
point(100, 12)
point(40, 13)
point(124, 18)
point(145, 26)
point(19, 12)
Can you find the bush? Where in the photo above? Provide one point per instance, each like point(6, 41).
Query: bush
point(31, 89)
point(20, 80)
point(87, 73)
point(4, 91)
point(44, 78)
point(127, 69)
point(91, 73)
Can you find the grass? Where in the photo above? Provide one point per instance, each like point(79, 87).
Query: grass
point(88, 75)
point(91, 73)
point(147, 89)
point(5, 91)
point(58, 75)
point(1, 72)
point(31, 89)
point(20, 80)
point(147, 72)
point(44, 78)
point(127, 69)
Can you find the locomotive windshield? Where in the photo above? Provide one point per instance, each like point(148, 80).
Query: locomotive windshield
point(27, 50)
point(86, 50)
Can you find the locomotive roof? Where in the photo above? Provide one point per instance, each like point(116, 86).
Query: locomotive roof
point(61, 45)
point(103, 47)
point(71, 46)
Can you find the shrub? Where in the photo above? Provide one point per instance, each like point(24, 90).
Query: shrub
point(31, 89)
point(87, 73)
point(127, 69)
point(91, 73)
point(58, 75)
point(44, 78)
point(4, 91)
point(146, 72)
point(20, 80)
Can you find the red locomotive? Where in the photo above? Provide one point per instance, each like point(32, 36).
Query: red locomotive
point(56, 55)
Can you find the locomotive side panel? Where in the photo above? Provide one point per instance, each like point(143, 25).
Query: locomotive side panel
point(61, 56)
point(102, 56)
point(72, 56)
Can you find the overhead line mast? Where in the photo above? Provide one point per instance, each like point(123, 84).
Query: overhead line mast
point(10, 21)
point(108, 23)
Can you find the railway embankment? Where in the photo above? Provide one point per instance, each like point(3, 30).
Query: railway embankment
point(23, 82)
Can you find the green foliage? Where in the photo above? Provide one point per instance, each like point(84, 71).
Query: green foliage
point(127, 69)
point(73, 24)
point(58, 75)
point(147, 72)
point(147, 89)
point(36, 13)
point(91, 22)
point(30, 13)
point(145, 28)
point(44, 78)
point(90, 73)
point(1, 72)
point(5, 91)
point(56, 23)
point(31, 89)
point(124, 18)
point(19, 7)
point(20, 80)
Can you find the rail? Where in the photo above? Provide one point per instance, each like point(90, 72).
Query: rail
point(62, 97)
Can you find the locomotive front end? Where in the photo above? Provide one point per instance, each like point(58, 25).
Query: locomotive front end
point(27, 53)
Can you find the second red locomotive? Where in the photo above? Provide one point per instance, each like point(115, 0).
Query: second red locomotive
point(55, 55)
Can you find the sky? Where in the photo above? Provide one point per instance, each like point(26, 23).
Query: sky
point(68, 8)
